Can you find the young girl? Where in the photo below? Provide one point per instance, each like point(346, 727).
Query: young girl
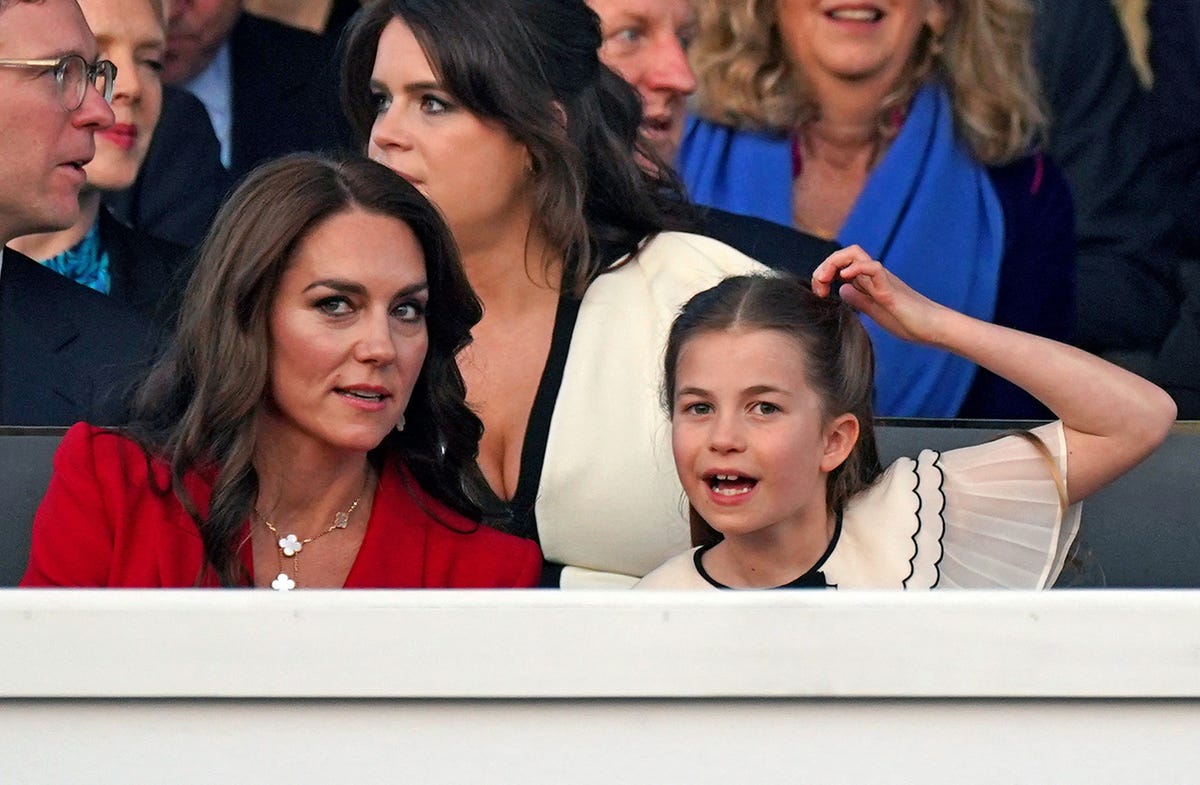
point(769, 388)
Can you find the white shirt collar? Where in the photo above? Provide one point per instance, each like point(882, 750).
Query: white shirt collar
point(214, 87)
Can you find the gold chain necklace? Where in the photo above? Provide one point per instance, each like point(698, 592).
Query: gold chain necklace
point(290, 545)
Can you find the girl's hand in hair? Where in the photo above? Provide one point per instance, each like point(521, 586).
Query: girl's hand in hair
point(1111, 418)
point(870, 288)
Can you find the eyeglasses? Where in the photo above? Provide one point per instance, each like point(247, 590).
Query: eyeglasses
point(73, 74)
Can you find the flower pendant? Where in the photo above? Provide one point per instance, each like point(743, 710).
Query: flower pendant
point(283, 583)
point(290, 545)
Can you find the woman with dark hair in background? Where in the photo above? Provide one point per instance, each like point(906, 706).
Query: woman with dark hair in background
point(502, 114)
point(308, 427)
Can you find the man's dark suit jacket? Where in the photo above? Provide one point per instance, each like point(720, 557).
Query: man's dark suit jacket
point(285, 94)
point(67, 353)
point(1101, 135)
point(148, 274)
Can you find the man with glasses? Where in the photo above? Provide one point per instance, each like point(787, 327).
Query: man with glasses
point(62, 346)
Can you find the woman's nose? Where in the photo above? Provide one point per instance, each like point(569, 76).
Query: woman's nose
point(128, 85)
point(375, 342)
point(389, 131)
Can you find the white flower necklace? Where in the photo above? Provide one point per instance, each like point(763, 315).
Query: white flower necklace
point(290, 545)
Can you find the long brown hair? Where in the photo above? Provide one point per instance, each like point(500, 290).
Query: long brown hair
point(198, 407)
point(838, 359)
point(533, 67)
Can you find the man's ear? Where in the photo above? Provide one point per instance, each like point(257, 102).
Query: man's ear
point(841, 434)
point(938, 17)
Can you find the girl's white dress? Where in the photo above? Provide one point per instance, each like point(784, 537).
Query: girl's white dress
point(986, 517)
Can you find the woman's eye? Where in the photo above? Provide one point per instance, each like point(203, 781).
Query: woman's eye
point(380, 102)
point(698, 408)
point(409, 311)
point(333, 306)
point(154, 65)
point(432, 104)
point(764, 407)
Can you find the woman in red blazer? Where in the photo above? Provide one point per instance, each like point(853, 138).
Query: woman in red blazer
point(308, 427)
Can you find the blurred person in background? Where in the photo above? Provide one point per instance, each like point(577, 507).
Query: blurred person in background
point(98, 250)
point(908, 127)
point(63, 347)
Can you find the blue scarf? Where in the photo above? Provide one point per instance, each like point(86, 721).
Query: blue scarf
point(928, 211)
point(86, 262)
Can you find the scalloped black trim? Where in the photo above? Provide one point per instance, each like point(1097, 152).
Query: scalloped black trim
point(937, 565)
point(912, 567)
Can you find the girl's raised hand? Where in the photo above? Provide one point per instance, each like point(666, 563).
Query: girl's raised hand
point(868, 287)
point(1111, 418)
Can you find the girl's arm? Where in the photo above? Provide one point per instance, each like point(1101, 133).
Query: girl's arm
point(1112, 418)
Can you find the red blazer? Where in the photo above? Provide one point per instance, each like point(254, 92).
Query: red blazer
point(104, 522)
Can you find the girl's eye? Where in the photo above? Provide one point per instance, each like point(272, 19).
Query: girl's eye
point(698, 408)
point(413, 311)
point(333, 306)
point(154, 65)
point(764, 407)
point(432, 104)
point(380, 102)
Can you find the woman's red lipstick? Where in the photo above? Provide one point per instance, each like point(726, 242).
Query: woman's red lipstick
point(123, 135)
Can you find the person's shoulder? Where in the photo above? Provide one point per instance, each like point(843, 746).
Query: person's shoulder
point(667, 270)
point(1032, 176)
point(116, 233)
point(42, 288)
point(777, 246)
point(107, 454)
point(678, 572)
point(251, 31)
point(684, 255)
point(102, 443)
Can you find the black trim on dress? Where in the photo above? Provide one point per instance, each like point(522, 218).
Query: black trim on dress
point(813, 578)
point(937, 565)
point(523, 515)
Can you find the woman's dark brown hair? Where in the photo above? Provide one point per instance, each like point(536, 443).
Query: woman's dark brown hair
point(837, 353)
point(198, 407)
point(533, 66)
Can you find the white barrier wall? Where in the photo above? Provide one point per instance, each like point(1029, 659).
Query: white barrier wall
point(555, 687)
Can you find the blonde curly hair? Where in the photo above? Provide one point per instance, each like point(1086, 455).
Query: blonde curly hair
point(984, 59)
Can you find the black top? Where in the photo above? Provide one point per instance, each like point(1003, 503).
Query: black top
point(813, 578)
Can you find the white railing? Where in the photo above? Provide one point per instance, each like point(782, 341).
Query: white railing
point(528, 687)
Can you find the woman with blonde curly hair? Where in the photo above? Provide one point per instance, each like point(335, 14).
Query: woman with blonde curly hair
point(907, 127)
